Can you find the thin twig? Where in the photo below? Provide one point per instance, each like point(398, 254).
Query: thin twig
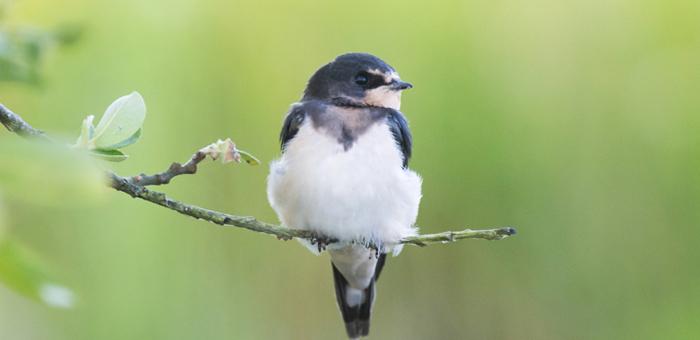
point(174, 170)
point(452, 236)
point(135, 187)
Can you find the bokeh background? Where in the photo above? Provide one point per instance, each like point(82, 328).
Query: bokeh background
point(575, 121)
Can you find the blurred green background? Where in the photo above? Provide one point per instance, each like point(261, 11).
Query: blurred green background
point(575, 121)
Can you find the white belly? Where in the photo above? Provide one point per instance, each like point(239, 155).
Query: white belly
point(361, 194)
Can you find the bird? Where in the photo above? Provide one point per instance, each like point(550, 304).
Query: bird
point(343, 174)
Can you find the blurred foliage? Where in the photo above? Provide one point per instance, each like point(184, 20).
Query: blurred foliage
point(3, 222)
point(39, 175)
point(46, 174)
point(574, 121)
point(22, 48)
point(36, 174)
point(26, 274)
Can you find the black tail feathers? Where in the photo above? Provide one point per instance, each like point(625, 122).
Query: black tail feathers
point(356, 317)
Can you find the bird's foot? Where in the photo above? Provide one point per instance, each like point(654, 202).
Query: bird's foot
point(375, 250)
point(321, 242)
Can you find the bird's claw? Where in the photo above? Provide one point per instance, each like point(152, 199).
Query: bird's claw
point(321, 242)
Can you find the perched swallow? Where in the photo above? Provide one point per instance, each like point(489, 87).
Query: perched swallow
point(344, 174)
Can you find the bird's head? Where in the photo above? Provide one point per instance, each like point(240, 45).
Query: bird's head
point(359, 78)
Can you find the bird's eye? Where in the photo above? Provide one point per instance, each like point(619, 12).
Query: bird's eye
point(361, 79)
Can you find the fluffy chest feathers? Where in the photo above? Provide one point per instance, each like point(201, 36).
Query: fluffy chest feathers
point(345, 124)
point(341, 175)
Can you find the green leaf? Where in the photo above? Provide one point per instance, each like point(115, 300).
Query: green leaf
point(122, 119)
point(24, 272)
point(131, 140)
point(248, 158)
point(86, 132)
point(109, 155)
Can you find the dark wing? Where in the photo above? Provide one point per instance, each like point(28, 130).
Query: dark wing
point(292, 122)
point(402, 135)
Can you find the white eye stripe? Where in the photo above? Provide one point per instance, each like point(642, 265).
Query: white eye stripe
point(394, 76)
point(388, 78)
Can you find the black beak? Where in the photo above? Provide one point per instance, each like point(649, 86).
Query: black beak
point(399, 85)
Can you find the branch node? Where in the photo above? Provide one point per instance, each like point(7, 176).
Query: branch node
point(451, 236)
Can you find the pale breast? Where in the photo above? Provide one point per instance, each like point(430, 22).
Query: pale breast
point(355, 193)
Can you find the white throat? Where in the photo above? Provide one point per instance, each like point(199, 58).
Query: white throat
point(384, 97)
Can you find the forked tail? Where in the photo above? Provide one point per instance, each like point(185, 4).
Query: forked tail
point(356, 304)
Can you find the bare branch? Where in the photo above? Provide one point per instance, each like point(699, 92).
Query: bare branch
point(175, 169)
point(452, 236)
point(248, 222)
point(14, 123)
point(222, 149)
point(136, 187)
point(251, 223)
